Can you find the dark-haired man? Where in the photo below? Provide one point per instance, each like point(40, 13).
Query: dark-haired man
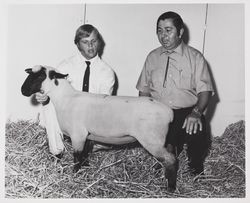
point(177, 75)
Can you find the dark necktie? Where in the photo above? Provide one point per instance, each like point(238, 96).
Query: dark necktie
point(85, 86)
point(166, 73)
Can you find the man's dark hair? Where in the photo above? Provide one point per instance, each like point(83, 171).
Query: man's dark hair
point(177, 20)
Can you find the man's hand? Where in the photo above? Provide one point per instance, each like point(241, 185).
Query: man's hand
point(41, 98)
point(192, 123)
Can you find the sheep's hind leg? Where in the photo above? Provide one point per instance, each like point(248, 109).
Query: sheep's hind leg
point(169, 161)
point(170, 164)
point(171, 173)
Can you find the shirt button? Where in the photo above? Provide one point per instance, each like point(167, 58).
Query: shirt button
point(170, 75)
point(170, 102)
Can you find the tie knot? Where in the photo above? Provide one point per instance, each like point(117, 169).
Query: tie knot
point(88, 63)
point(169, 52)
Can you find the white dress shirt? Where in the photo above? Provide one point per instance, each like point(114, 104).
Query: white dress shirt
point(101, 79)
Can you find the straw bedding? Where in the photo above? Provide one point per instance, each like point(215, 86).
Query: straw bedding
point(128, 172)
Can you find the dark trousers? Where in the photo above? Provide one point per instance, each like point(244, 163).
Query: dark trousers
point(198, 144)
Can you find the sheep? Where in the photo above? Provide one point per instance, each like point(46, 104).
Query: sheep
point(106, 119)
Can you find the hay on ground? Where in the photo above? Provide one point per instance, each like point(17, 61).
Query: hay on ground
point(32, 172)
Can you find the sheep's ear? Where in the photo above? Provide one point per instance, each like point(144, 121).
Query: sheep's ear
point(29, 70)
point(54, 75)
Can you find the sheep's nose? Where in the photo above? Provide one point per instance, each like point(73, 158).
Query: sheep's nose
point(25, 92)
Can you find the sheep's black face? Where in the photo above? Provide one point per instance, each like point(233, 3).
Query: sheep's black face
point(33, 82)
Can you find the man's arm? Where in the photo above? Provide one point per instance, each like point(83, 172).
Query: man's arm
point(193, 120)
point(203, 100)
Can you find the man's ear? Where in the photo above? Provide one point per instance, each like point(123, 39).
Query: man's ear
point(181, 32)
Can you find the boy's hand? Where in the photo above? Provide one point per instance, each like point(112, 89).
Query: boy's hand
point(41, 98)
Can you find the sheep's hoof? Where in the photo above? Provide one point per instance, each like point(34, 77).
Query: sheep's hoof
point(59, 156)
point(171, 189)
point(172, 178)
point(86, 163)
point(157, 166)
point(76, 168)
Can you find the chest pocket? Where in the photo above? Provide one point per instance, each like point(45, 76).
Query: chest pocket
point(186, 80)
point(156, 79)
point(182, 78)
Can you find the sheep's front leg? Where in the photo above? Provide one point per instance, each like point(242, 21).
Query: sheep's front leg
point(86, 150)
point(77, 160)
point(79, 153)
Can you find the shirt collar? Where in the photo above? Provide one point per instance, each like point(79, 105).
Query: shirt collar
point(93, 60)
point(178, 49)
point(82, 59)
